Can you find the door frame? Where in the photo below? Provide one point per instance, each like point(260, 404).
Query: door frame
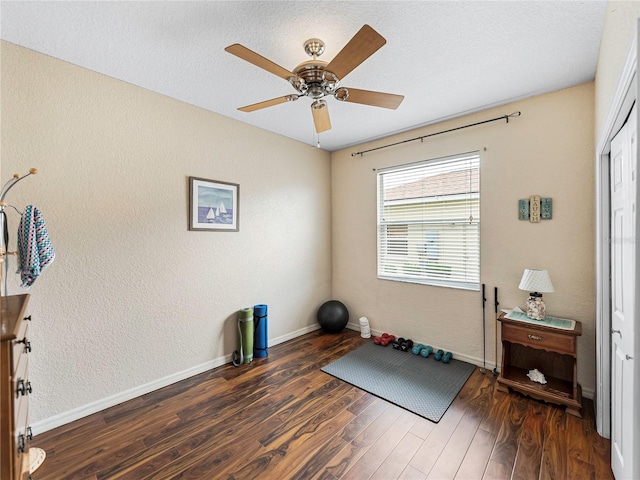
point(625, 95)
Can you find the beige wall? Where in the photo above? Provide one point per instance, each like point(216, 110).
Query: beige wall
point(119, 309)
point(133, 297)
point(620, 22)
point(548, 151)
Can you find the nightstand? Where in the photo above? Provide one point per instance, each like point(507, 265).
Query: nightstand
point(553, 351)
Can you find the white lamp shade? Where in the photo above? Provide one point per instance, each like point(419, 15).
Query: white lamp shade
point(536, 281)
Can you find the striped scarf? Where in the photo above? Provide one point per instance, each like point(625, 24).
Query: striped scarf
point(34, 247)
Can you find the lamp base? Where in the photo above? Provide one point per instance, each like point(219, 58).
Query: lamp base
point(536, 309)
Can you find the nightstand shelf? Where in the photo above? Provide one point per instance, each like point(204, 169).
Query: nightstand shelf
point(517, 378)
point(552, 351)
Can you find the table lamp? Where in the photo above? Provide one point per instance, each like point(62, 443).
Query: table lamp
point(536, 282)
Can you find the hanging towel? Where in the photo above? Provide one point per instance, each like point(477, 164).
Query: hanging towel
point(34, 247)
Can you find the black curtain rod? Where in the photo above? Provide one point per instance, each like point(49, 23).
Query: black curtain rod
point(504, 117)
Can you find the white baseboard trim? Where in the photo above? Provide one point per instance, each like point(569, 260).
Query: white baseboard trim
point(102, 404)
point(465, 358)
point(292, 335)
point(490, 366)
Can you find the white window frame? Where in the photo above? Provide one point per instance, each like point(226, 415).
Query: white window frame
point(446, 222)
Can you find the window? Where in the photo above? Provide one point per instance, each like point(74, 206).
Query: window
point(429, 222)
point(398, 240)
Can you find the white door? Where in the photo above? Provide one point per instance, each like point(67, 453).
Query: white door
point(623, 175)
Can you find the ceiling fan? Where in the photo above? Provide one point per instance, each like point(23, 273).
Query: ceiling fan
point(317, 79)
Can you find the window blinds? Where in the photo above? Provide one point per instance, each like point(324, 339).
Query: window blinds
point(429, 222)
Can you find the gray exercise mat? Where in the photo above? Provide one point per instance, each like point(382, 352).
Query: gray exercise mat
point(423, 386)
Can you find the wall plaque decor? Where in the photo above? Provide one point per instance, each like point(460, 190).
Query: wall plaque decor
point(535, 208)
point(523, 209)
point(545, 209)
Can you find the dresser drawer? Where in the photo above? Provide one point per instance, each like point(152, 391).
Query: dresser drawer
point(21, 328)
point(21, 345)
point(20, 381)
point(546, 340)
point(22, 418)
point(22, 457)
point(22, 415)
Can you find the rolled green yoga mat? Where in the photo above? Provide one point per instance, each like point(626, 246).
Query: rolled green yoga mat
point(244, 354)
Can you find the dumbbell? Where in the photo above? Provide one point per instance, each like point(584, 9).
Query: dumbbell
point(438, 355)
point(416, 349)
point(406, 345)
point(447, 357)
point(426, 351)
point(387, 340)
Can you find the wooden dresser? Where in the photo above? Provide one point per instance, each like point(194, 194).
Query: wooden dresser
point(15, 388)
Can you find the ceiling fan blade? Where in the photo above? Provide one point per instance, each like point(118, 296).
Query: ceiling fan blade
point(259, 61)
point(363, 44)
point(268, 103)
point(377, 99)
point(321, 119)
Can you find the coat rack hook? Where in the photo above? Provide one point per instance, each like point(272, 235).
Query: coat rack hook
point(16, 178)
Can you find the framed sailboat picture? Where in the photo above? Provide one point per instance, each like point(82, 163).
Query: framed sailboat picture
point(213, 205)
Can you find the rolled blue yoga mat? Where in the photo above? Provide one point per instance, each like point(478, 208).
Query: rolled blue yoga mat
point(261, 340)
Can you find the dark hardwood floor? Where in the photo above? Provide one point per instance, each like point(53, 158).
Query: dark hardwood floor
point(282, 418)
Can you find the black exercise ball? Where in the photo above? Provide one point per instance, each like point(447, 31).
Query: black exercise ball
point(333, 316)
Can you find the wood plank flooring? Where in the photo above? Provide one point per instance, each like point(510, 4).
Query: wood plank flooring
point(282, 418)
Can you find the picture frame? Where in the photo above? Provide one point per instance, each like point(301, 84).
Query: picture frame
point(214, 206)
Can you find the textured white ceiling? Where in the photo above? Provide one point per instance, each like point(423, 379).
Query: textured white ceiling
point(446, 57)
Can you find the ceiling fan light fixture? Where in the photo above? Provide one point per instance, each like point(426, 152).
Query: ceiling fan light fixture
point(298, 83)
point(314, 47)
point(341, 94)
point(318, 104)
point(316, 78)
point(329, 77)
point(316, 90)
